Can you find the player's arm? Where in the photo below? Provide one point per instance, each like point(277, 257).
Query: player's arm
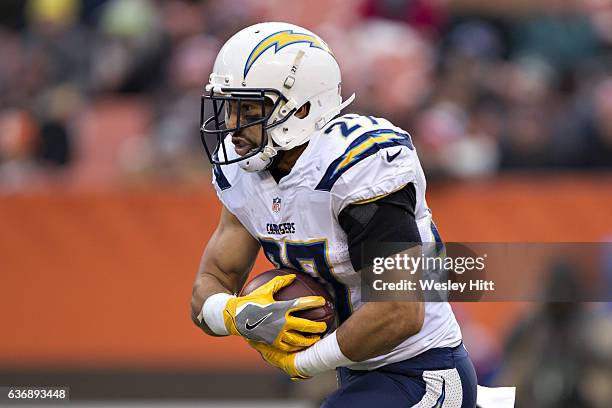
point(225, 265)
point(226, 262)
point(376, 328)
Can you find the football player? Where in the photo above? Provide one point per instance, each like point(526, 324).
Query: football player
point(309, 187)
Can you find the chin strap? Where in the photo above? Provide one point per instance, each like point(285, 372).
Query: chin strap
point(260, 161)
point(326, 117)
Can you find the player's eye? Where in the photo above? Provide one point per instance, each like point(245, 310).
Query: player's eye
point(248, 108)
point(252, 118)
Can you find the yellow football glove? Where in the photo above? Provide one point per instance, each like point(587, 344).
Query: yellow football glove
point(257, 316)
point(278, 358)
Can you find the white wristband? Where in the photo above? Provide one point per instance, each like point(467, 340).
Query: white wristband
point(324, 355)
point(212, 312)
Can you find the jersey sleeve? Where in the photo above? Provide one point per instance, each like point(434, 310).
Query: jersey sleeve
point(375, 163)
point(388, 219)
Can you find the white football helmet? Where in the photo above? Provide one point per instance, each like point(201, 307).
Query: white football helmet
point(285, 64)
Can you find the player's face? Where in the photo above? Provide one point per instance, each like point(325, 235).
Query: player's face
point(246, 138)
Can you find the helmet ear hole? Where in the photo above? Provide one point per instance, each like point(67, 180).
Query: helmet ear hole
point(303, 111)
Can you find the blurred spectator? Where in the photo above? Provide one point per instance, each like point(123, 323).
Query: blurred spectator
point(561, 355)
point(133, 49)
point(600, 13)
point(545, 356)
point(18, 138)
point(480, 93)
point(55, 148)
point(599, 129)
point(12, 14)
point(53, 40)
point(392, 77)
point(563, 35)
point(178, 150)
point(425, 16)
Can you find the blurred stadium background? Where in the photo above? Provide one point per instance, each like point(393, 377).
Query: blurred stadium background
point(106, 201)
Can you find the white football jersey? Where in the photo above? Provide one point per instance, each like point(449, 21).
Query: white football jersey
point(353, 158)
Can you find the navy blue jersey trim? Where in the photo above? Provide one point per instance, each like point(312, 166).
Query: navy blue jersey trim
point(220, 178)
point(364, 146)
point(440, 400)
point(438, 239)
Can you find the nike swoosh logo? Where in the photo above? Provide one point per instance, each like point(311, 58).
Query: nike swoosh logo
point(257, 323)
point(390, 158)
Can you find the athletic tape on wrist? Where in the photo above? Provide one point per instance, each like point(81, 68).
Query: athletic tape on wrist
point(324, 355)
point(212, 312)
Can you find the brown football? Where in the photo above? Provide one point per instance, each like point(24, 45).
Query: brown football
point(303, 285)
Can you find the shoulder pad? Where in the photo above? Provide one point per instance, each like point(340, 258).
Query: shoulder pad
point(369, 158)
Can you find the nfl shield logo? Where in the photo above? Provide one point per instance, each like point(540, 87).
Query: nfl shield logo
point(276, 204)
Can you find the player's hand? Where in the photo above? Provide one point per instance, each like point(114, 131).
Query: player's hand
point(257, 316)
point(278, 358)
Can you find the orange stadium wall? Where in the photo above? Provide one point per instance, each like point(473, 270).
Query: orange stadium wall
point(103, 280)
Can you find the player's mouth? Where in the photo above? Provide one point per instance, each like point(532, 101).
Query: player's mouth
point(241, 146)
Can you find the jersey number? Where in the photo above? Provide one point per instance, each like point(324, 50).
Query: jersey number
point(345, 129)
point(309, 257)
